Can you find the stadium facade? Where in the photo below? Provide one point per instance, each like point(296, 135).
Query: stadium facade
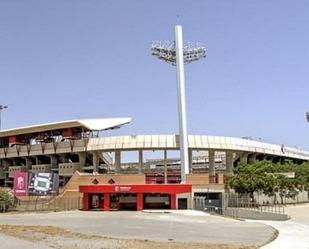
point(90, 165)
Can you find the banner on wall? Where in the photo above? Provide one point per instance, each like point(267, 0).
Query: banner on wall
point(20, 184)
point(43, 184)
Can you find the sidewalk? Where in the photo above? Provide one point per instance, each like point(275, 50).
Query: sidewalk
point(291, 235)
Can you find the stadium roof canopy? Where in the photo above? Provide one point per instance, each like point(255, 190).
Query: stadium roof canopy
point(95, 124)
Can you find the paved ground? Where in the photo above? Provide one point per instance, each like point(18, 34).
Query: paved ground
point(299, 213)
point(293, 233)
point(184, 226)
point(9, 242)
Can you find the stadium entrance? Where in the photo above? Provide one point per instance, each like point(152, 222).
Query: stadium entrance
point(132, 197)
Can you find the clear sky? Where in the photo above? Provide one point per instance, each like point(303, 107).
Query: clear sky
point(66, 59)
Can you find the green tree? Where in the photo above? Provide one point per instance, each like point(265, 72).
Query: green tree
point(249, 178)
point(267, 177)
point(6, 199)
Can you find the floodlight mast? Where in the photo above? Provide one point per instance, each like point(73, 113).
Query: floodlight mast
point(178, 55)
point(183, 136)
point(2, 107)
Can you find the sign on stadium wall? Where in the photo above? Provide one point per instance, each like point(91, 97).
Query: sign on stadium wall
point(43, 184)
point(20, 184)
point(36, 184)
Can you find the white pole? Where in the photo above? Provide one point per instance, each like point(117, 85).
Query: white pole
point(181, 104)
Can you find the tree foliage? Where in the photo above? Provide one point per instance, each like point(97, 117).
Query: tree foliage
point(265, 177)
point(6, 199)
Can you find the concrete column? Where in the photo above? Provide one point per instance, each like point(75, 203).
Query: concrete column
point(165, 166)
point(95, 161)
point(211, 161)
point(173, 201)
point(139, 202)
point(28, 163)
point(243, 158)
point(252, 158)
point(85, 201)
point(82, 159)
point(106, 202)
point(229, 163)
point(64, 158)
point(6, 163)
point(220, 179)
point(117, 161)
point(140, 161)
point(190, 161)
point(53, 160)
point(37, 160)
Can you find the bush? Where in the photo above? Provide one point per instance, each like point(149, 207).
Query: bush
point(6, 199)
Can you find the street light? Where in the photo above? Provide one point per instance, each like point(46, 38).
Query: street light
point(307, 116)
point(177, 54)
point(2, 107)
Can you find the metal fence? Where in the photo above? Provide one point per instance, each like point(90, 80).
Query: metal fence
point(233, 202)
point(199, 203)
point(48, 204)
point(246, 201)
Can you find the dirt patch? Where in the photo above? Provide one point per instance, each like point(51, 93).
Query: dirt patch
point(59, 238)
point(176, 245)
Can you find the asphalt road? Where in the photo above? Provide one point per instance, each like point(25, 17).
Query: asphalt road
point(191, 226)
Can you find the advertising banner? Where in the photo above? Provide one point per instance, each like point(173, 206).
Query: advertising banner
point(20, 184)
point(43, 184)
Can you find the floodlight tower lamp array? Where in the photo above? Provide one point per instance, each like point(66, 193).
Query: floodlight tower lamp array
point(166, 51)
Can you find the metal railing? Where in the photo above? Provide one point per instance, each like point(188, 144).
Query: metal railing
point(233, 203)
point(247, 202)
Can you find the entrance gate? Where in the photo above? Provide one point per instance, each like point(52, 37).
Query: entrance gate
point(134, 197)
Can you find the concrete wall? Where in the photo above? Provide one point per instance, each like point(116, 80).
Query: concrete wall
point(255, 215)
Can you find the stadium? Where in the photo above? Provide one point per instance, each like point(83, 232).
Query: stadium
point(76, 159)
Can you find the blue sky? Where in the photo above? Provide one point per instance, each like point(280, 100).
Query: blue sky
point(74, 59)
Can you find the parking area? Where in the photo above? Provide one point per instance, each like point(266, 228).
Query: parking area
point(178, 226)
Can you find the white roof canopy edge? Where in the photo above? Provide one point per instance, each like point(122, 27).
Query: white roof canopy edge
point(104, 124)
point(94, 124)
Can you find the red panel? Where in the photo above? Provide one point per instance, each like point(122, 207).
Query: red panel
point(13, 140)
point(67, 133)
point(140, 206)
point(86, 202)
point(173, 201)
point(106, 201)
point(147, 188)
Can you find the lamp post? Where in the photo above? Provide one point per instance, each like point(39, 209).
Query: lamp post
point(2, 107)
point(177, 54)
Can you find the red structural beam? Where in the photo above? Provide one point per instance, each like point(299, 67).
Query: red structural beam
point(147, 188)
